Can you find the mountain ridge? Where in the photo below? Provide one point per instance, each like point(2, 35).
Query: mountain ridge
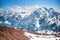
point(33, 20)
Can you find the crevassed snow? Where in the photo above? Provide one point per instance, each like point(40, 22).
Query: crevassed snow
point(51, 20)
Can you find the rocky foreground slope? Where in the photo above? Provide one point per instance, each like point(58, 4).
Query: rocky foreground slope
point(7, 33)
point(11, 34)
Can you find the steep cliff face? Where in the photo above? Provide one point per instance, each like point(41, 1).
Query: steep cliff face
point(11, 34)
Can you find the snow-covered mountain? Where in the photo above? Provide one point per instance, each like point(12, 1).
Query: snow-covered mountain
point(30, 18)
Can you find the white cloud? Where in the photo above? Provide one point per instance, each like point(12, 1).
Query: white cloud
point(27, 9)
point(31, 8)
point(58, 11)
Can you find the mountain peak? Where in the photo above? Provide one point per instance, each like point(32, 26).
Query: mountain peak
point(26, 18)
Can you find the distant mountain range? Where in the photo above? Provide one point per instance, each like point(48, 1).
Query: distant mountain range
point(30, 19)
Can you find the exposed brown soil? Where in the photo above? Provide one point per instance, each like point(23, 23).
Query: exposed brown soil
point(11, 34)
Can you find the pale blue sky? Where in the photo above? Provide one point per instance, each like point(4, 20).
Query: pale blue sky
point(45, 3)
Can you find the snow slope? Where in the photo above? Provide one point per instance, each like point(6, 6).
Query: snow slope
point(40, 37)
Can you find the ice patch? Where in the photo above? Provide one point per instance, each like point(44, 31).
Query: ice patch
point(6, 22)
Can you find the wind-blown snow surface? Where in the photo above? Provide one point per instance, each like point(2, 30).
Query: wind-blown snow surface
point(40, 37)
point(31, 18)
